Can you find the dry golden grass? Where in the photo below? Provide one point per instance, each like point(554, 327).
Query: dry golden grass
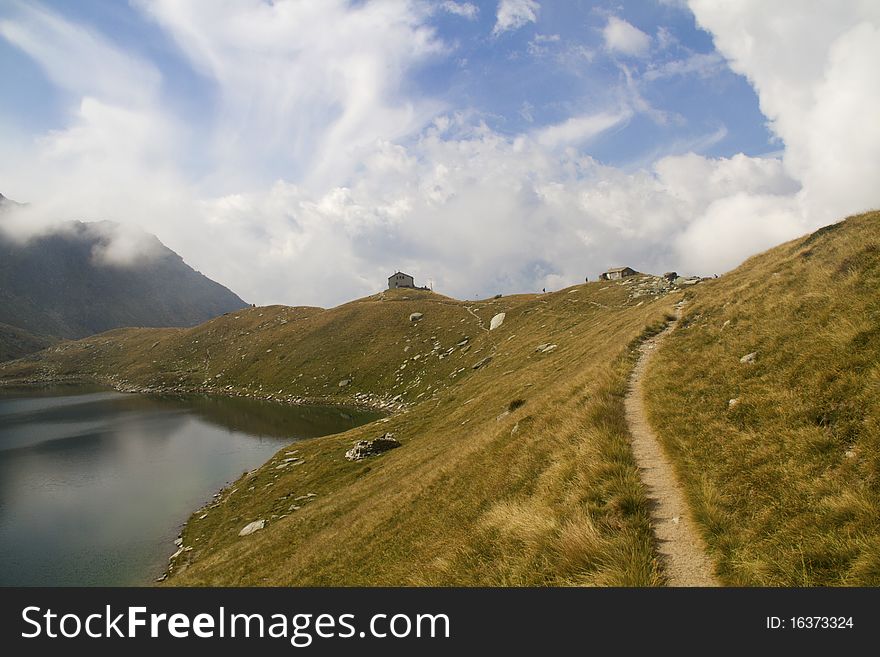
point(516, 473)
point(520, 474)
point(786, 481)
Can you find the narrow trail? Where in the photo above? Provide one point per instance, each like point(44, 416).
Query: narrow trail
point(682, 550)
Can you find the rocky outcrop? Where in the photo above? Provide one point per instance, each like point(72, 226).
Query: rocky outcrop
point(366, 448)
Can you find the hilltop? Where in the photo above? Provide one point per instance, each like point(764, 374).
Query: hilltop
point(58, 284)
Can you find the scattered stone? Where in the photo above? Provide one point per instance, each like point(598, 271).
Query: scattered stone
point(344, 383)
point(250, 528)
point(162, 577)
point(542, 347)
point(414, 317)
point(733, 403)
point(515, 429)
point(203, 516)
point(849, 453)
point(548, 348)
point(178, 541)
point(749, 358)
point(725, 324)
point(481, 363)
point(365, 448)
point(497, 321)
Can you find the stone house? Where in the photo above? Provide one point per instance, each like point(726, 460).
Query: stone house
point(616, 273)
point(399, 279)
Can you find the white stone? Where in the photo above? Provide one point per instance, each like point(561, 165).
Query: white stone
point(250, 528)
point(497, 321)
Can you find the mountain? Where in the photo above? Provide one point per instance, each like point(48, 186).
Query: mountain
point(68, 283)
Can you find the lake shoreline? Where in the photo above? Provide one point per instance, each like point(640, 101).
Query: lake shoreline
point(359, 401)
point(135, 479)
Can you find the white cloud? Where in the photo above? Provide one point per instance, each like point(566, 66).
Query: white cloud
point(578, 129)
point(540, 44)
point(290, 96)
point(624, 38)
point(466, 10)
point(815, 75)
point(77, 59)
point(700, 64)
point(386, 181)
point(514, 14)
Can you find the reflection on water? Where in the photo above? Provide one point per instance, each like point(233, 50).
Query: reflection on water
point(94, 485)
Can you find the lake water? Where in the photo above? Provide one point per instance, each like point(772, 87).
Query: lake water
point(95, 485)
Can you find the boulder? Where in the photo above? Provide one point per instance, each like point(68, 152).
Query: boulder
point(414, 317)
point(496, 321)
point(344, 382)
point(252, 527)
point(365, 448)
point(749, 358)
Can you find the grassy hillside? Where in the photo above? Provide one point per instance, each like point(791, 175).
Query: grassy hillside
point(515, 467)
point(16, 342)
point(781, 456)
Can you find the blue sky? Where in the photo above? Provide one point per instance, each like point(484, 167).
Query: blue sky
point(520, 144)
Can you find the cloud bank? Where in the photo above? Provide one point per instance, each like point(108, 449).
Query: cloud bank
point(322, 169)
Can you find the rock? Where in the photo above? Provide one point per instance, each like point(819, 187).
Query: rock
point(483, 362)
point(414, 317)
point(365, 448)
point(344, 382)
point(542, 346)
point(497, 321)
point(178, 541)
point(250, 528)
point(548, 349)
point(849, 453)
point(749, 358)
point(733, 403)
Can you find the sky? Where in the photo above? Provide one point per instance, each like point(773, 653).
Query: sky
point(301, 151)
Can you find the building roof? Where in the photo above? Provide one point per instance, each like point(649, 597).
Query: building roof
point(398, 272)
point(613, 269)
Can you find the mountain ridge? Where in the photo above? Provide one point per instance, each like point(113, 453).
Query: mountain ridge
point(76, 281)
